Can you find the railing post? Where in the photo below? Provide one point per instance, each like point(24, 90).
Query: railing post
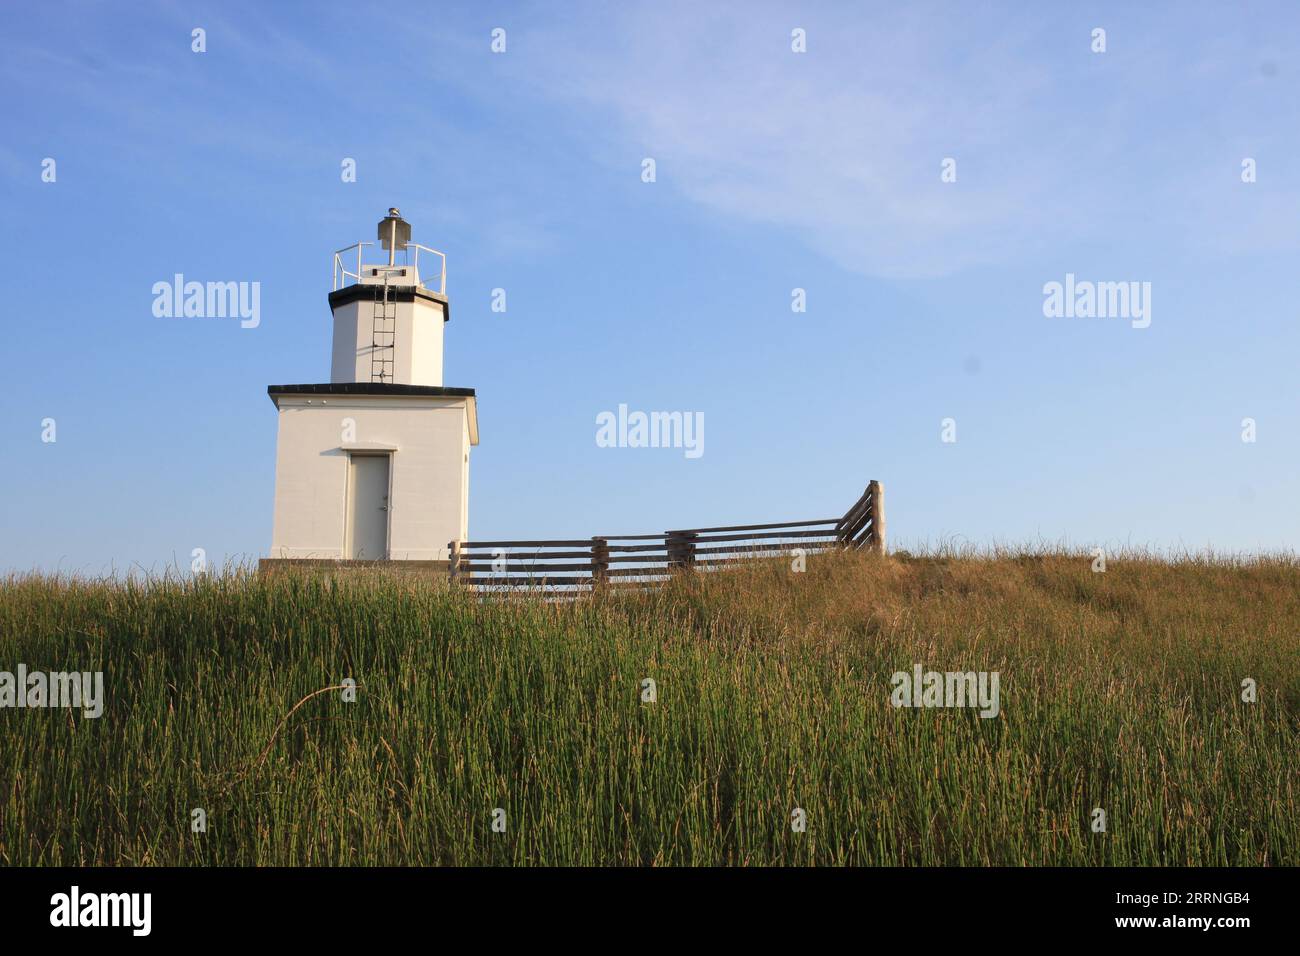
point(599, 562)
point(681, 549)
point(453, 565)
point(877, 517)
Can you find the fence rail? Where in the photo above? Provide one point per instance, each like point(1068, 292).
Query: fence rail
point(645, 560)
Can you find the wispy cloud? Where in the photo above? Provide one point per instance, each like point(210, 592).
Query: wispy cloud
point(844, 143)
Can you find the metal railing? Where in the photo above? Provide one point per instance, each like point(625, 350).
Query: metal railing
point(343, 276)
point(341, 270)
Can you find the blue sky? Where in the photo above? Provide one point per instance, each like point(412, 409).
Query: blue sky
point(776, 170)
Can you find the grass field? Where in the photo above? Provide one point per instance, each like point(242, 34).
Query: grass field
point(1119, 690)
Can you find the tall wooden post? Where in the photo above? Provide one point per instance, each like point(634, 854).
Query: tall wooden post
point(453, 565)
point(599, 562)
point(877, 517)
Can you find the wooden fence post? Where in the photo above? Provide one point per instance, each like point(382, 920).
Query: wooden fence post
point(599, 561)
point(681, 549)
point(453, 565)
point(877, 517)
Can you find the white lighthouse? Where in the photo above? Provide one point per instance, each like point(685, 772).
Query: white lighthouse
point(374, 464)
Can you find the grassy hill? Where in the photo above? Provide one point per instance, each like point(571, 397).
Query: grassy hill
point(1119, 690)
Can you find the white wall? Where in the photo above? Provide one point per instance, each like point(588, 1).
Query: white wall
point(430, 472)
point(417, 346)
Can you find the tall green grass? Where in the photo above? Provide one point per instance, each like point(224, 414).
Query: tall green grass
point(1119, 691)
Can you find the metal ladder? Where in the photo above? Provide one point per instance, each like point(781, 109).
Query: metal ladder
point(383, 332)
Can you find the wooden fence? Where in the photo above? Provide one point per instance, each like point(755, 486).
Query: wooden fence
point(644, 560)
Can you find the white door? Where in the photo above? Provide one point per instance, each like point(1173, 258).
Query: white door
point(368, 507)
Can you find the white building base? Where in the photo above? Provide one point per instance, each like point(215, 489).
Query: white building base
point(370, 471)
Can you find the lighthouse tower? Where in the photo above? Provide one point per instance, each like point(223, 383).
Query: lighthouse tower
point(374, 464)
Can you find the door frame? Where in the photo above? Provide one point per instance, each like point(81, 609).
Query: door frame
point(347, 499)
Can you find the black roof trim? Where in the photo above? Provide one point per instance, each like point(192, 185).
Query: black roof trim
point(368, 388)
point(397, 293)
